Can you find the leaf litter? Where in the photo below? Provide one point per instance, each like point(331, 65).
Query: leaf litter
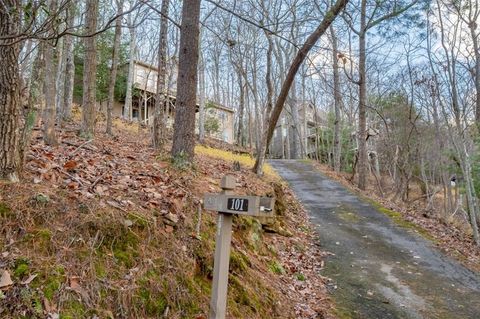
point(83, 178)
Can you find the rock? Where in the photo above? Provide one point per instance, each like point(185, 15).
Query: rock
point(42, 198)
point(171, 219)
point(277, 229)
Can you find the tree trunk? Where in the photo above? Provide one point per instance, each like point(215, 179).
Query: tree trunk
point(297, 151)
point(201, 97)
point(49, 114)
point(49, 88)
point(184, 133)
point(297, 61)
point(263, 143)
point(10, 107)
point(67, 99)
point(476, 50)
point(113, 69)
point(127, 111)
point(337, 146)
point(36, 100)
point(27, 57)
point(90, 71)
point(256, 101)
point(471, 196)
point(362, 101)
point(159, 121)
point(241, 110)
point(60, 74)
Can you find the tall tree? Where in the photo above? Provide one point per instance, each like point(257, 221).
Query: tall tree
point(160, 123)
point(128, 110)
point(337, 147)
point(201, 97)
point(450, 39)
point(90, 71)
point(66, 100)
point(469, 12)
point(184, 133)
point(377, 13)
point(329, 17)
point(10, 111)
point(49, 87)
point(49, 90)
point(114, 67)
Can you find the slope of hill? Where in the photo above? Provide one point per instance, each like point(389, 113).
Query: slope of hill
point(110, 229)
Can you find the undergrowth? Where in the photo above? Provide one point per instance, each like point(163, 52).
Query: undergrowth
point(244, 159)
point(88, 262)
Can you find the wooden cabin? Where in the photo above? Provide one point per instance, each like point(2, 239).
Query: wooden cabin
point(143, 104)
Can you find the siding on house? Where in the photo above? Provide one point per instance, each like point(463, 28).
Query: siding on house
point(145, 85)
point(283, 136)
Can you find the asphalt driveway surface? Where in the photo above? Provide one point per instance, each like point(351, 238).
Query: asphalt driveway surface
point(379, 269)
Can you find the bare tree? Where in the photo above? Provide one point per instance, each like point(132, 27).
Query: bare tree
point(377, 13)
point(159, 125)
point(338, 103)
point(128, 110)
point(9, 92)
point(89, 87)
point(114, 67)
point(469, 12)
point(49, 89)
point(49, 113)
point(450, 41)
point(329, 17)
point(66, 100)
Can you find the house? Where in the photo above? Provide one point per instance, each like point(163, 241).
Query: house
point(311, 120)
point(143, 105)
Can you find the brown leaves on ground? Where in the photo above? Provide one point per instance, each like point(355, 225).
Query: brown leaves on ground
point(103, 221)
point(123, 171)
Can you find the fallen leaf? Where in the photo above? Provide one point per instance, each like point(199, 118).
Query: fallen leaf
point(29, 279)
point(5, 280)
point(70, 165)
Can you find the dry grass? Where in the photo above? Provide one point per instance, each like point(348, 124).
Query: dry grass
point(244, 159)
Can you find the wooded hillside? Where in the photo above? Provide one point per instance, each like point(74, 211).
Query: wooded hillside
point(386, 94)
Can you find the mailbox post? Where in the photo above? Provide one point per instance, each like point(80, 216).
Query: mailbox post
point(227, 204)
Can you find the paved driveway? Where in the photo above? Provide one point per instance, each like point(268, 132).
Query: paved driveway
point(380, 270)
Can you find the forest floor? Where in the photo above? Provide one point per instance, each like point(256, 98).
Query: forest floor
point(452, 235)
point(381, 268)
point(109, 228)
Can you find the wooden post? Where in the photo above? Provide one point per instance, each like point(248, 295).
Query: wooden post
point(227, 204)
point(218, 302)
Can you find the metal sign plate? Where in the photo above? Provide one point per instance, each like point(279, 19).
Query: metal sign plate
point(237, 204)
point(241, 205)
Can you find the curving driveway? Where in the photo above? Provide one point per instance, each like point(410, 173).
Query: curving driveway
point(379, 270)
